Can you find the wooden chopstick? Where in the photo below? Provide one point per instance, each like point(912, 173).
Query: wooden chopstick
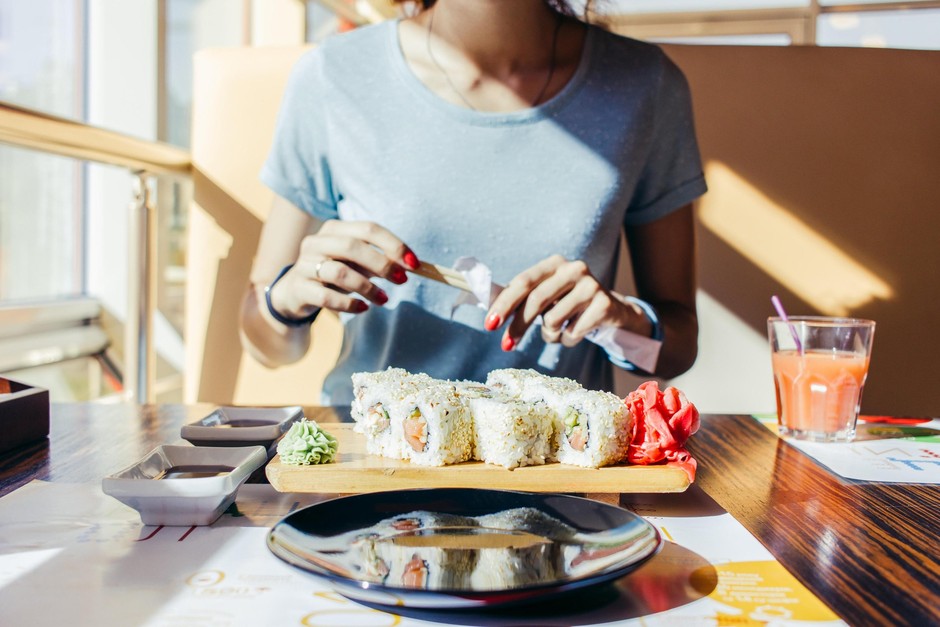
point(442, 274)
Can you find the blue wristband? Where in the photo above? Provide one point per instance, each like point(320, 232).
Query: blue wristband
point(651, 315)
point(655, 334)
point(291, 322)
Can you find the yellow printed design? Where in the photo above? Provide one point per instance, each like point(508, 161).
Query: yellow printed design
point(756, 593)
point(363, 617)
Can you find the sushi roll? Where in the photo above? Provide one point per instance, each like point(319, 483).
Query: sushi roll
point(468, 390)
point(530, 385)
point(377, 408)
point(428, 568)
point(436, 428)
point(517, 418)
point(388, 385)
point(369, 564)
point(509, 432)
point(509, 381)
point(420, 552)
point(592, 429)
point(502, 569)
point(530, 520)
point(533, 558)
point(419, 522)
point(367, 384)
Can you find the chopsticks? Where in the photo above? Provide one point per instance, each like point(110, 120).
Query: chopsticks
point(442, 274)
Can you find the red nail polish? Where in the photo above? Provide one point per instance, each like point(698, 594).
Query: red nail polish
point(410, 260)
point(359, 306)
point(508, 343)
point(398, 276)
point(381, 297)
point(492, 322)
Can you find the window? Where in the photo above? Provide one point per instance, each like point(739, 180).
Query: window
point(41, 223)
point(779, 22)
point(917, 29)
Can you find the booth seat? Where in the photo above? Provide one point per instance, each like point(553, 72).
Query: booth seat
point(235, 101)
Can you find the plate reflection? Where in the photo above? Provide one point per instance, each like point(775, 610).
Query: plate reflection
point(514, 548)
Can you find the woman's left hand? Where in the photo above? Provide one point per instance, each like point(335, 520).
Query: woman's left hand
point(570, 300)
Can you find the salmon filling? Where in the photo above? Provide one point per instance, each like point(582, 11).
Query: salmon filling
point(416, 573)
point(576, 430)
point(407, 524)
point(377, 419)
point(416, 430)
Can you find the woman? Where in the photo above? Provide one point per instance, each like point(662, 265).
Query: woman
point(507, 131)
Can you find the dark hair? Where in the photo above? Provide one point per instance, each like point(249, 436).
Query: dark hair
point(561, 6)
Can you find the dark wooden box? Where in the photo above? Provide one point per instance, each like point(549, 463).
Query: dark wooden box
point(24, 414)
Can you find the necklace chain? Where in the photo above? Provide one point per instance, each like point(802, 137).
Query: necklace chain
point(460, 94)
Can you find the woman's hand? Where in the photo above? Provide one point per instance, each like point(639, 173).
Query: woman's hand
point(338, 263)
point(334, 263)
point(570, 300)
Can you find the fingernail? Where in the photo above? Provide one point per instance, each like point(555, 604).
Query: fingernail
point(492, 322)
point(399, 276)
point(381, 297)
point(508, 343)
point(410, 260)
point(359, 306)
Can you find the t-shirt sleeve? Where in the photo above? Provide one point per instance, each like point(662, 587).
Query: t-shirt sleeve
point(297, 167)
point(672, 175)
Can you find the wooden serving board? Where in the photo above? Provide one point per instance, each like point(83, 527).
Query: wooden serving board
point(355, 471)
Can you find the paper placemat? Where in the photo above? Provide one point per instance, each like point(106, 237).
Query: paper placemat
point(886, 450)
point(90, 553)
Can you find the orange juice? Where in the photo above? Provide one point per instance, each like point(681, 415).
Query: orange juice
point(819, 392)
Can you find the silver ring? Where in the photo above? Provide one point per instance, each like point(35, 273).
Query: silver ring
point(316, 269)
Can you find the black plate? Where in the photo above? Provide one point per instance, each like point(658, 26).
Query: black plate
point(462, 548)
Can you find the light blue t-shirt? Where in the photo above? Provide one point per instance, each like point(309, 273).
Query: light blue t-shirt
point(358, 129)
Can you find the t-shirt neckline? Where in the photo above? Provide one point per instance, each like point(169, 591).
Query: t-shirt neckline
point(541, 111)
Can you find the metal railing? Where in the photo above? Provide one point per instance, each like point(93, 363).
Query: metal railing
point(144, 160)
point(35, 334)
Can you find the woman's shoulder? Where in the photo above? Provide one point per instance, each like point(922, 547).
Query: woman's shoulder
point(366, 38)
point(615, 55)
point(352, 51)
point(620, 49)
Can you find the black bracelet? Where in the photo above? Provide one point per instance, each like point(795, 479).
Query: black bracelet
point(291, 322)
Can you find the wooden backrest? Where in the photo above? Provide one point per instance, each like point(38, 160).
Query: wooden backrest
point(237, 92)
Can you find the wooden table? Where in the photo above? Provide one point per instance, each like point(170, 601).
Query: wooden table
point(869, 551)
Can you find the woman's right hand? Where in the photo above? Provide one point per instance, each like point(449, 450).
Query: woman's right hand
point(338, 263)
point(333, 264)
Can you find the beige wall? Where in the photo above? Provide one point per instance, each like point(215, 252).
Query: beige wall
point(822, 165)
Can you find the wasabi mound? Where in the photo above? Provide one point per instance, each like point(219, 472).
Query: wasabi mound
point(305, 443)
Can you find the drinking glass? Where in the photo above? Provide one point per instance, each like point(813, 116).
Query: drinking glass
point(820, 365)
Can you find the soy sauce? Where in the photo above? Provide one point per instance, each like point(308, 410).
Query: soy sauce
point(194, 471)
point(243, 422)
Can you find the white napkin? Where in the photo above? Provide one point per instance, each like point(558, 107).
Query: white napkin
point(622, 345)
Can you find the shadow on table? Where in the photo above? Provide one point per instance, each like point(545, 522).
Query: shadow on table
point(695, 503)
point(672, 579)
